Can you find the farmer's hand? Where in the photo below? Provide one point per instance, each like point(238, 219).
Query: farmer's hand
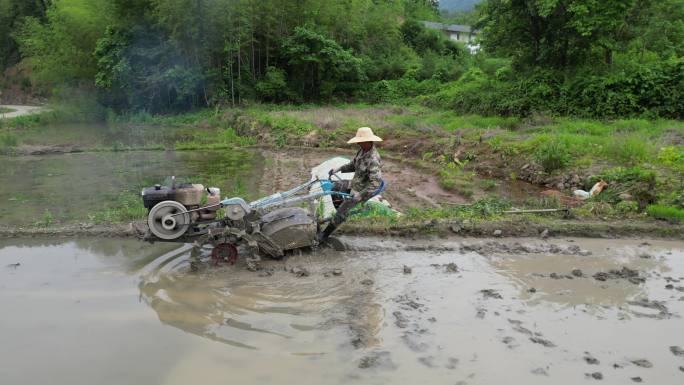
point(332, 171)
point(356, 196)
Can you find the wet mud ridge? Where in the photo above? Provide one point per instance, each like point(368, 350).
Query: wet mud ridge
point(382, 311)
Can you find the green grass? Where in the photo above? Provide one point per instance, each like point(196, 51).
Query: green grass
point(666, 212)
point(455, 178)
point(552, 154)
point(46, 220)
point(8, 139)
point(127, 207)
point(486, 208)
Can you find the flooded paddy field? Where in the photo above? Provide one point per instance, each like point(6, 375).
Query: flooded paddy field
point(71, 187)
point(384, 311)
point(77, 187)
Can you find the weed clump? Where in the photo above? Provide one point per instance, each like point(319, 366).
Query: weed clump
point(552, 155)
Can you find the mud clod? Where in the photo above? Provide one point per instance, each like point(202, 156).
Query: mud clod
point(300, 272)
point(407, 270)
point(451, 268)
point(491, 293)
point(595, 375)
point(452, 363)
point(523, 330)
point(544, 342)
point(333, 272)
point(624, 273)
point(493, 247)
point(400, 320)
point(427, 361)
point(681, 368)
point(532, 290)
point(265, 273)
point(377, 360)
point(539, 372)
point(507, 340)
point(367, 282)
point(14, 265)
point(643, 363)
point(663, 312)
point(253, 265)
point(637, 379)
point(589, 359)
point(677, 351)
point(497, 233)
point(577, 273)
point(544, 234)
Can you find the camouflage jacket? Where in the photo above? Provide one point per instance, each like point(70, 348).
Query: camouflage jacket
point(367, 175)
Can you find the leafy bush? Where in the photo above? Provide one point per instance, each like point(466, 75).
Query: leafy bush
point(650, 90)
point(655, 89)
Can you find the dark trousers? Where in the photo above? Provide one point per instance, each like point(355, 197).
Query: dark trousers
point(342, 205)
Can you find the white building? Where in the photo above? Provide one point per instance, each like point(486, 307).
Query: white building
point(456, 32)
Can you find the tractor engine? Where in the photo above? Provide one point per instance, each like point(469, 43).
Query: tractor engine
point(270, 225)
point(179, 208)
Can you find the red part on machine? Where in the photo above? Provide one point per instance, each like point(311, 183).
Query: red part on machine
point(224, 253)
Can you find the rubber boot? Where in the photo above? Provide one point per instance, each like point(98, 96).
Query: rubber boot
point(323, 235)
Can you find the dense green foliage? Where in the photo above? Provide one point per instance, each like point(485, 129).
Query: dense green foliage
point(608, 58)
point(12, 14)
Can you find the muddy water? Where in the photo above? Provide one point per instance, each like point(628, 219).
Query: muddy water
point(73, 186)
point(464, 311)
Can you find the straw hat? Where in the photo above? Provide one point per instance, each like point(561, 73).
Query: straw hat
point(364, 134)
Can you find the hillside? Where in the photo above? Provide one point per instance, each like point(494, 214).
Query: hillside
point(458, 5)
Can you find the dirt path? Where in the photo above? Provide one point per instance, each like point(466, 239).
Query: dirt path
point(20, 111)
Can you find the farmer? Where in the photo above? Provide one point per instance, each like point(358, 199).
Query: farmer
point(366, 182)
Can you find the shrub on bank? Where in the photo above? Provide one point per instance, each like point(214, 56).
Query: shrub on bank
point(665, 212)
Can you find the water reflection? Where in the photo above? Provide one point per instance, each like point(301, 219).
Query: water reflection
point(238, 307)
point(74, 186)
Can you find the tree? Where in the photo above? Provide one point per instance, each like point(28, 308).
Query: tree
point(12, 14)
point(142, 69)
point(320, 66)
point(565, 34)
point(60, 48)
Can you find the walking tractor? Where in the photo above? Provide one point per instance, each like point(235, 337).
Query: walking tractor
point(268, 226)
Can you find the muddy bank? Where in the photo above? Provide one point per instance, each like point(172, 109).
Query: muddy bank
point(520, 227)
